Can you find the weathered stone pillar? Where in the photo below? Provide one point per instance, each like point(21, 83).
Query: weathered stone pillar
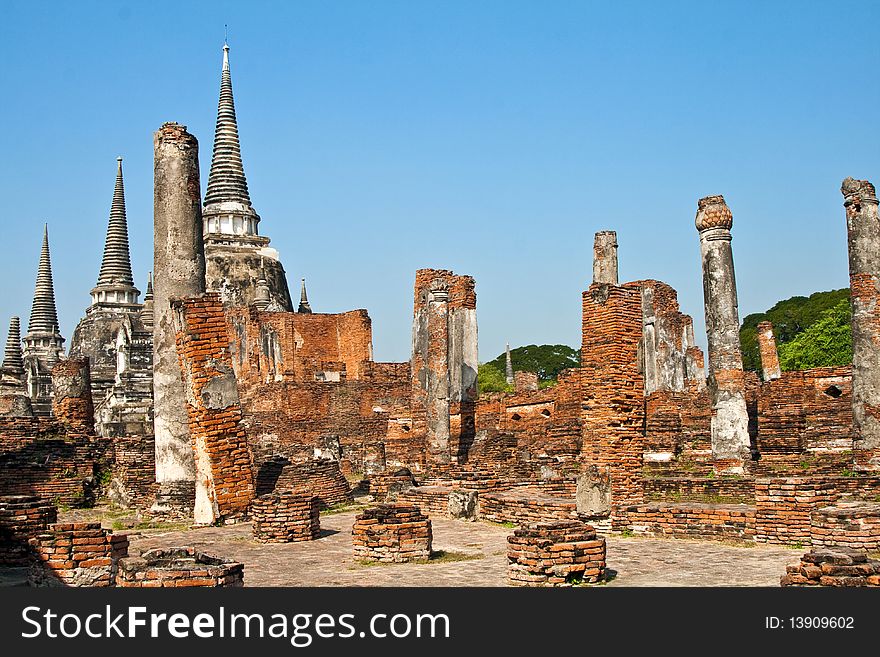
point(72, 393)
point(605, 258)
point(179, 266)
point(437, 436)
point(863, 238)
point(730, 419)
point(769, 354)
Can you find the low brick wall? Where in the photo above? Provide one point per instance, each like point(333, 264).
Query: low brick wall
point(694, 520)
point(523, 506)
point(847, 524)
point(21, 518)
point(178, 567)
point(837, 567)
point(740, 490)
point(286, 517)
point(555, 554)
point(432, 500)
point(76, 554)
point(322, 477)
point(783, 507)
point(386, 485)
point(392, 533)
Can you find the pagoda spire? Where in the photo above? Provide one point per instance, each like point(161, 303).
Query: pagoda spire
point(304, 306)
point(44, 317)
point(227, 194)
point(115, 283)
point(508, 365)
point(12, 359)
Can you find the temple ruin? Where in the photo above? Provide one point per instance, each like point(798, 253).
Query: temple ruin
point(213, 400)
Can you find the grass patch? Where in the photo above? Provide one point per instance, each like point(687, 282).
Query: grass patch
point(506, 525)
point(167, 526)
point(700, 498)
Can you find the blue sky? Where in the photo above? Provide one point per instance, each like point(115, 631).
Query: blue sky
point(492, 138)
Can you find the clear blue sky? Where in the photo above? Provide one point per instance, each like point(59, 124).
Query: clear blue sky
point(493, 138)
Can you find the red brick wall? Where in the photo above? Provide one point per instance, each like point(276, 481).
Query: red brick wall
point(217, 432)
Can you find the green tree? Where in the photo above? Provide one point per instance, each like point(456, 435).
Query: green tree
point(827, 342)
point(547, 360)
point(491, 379)
point(790, 318)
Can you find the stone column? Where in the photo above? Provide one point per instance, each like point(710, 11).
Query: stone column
point(179, 266)
point(863, 238)
point(730, 419)
point(437, 434)
point(605, 258)
point(769, 354)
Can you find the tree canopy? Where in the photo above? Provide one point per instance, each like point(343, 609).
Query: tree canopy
point(791, 318)
point(547, 360)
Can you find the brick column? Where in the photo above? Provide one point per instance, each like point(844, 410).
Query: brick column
point(224, 473)
point(179, 266)
point(769, 354)
point(730, 419)
point(863, 238)
point(72, 395)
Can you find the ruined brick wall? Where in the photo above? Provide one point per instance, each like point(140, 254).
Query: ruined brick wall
point(224, 476)
point(41, 456)
point(612, 388)
point(21, 518)
point(808, 410)
point(270, 346)
point(292, 417)
point(525, 381)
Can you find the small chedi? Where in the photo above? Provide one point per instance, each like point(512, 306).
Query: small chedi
point(555, 554)
point(286, 516)
point(833, 567)
point(392, 533)
point(178, 567)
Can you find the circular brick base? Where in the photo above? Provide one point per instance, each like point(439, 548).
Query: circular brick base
point(392, 533)
point(560, 553)
point(178, 567)
point(21, 518)
point(286, 517)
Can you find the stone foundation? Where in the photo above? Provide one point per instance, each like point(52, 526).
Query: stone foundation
point(21, 518)
point(392, 533)
point(838, 567)
point(76, 554)
point(286, 517)
point(555, 554)
point(847, 525)
point(178, 567)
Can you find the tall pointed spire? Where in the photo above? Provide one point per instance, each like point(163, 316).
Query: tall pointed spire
point(12, 355)
point(304, 306)
point(508, 365)
point(44, 317)
point(115, 283)
point(226, 182)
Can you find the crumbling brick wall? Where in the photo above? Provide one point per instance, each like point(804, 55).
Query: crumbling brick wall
point(224, 476)
point(41, 456)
